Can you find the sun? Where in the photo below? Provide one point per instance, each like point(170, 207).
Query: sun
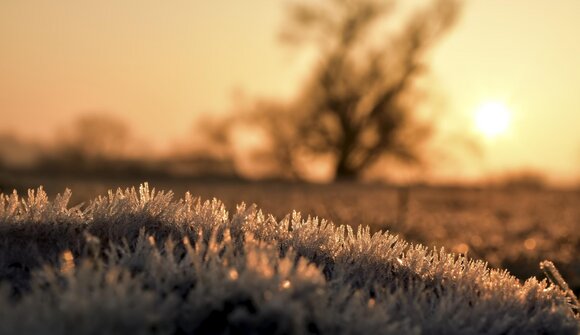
point(492, 118)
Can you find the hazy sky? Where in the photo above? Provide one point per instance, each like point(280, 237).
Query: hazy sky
point(158, 64)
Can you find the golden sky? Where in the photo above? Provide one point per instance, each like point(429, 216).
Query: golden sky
point(159, 64)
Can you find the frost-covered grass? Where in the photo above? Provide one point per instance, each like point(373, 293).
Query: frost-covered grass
point(141, 262)
point(509, 229)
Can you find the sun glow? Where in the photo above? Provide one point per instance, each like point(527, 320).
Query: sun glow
point(492, 118)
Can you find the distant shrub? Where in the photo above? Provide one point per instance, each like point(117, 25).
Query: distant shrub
point(526, 179)
point(139, 262)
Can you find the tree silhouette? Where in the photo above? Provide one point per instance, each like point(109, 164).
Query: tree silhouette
point(96, 137)
point(93, 142)
point(358, 105)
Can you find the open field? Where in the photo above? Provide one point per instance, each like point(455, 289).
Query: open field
point(110, 268)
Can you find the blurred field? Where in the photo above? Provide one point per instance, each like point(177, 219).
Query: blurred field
point(512, 229)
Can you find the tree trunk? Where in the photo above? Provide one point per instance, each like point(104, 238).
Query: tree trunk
point(344, 172)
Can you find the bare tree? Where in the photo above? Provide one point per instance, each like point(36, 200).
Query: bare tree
point(279, 125)
point(358, 105)
point(95, 138)
point(209, 152)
